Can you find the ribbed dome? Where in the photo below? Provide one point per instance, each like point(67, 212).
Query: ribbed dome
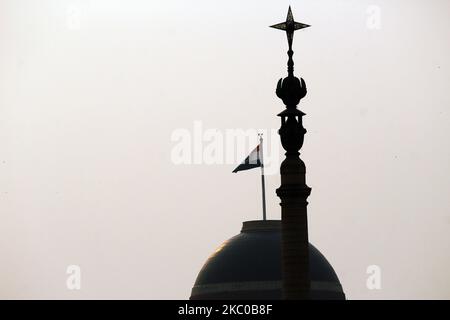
point(248, 266)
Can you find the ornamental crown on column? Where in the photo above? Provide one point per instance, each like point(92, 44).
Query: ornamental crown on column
point(291, 90)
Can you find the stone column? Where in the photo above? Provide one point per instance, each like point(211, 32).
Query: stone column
point(293, 191)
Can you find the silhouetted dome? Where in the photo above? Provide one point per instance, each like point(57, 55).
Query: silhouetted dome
point(248, 266)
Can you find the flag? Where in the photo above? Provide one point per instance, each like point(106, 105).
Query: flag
point(252, 161)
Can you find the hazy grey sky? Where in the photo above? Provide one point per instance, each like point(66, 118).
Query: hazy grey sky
point(91, 92)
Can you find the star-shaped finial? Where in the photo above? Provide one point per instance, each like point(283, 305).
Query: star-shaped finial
point(290, 26)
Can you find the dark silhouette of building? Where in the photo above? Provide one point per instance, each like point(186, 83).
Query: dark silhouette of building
point(293, 191)
point(273, 259)
point(248, 266)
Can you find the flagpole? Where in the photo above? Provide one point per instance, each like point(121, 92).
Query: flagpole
point(263, 184)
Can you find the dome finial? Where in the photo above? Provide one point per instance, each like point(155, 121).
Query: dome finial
point(290, 26)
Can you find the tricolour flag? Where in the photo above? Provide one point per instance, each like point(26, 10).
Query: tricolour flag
point(255, 160)
point(252, 161)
